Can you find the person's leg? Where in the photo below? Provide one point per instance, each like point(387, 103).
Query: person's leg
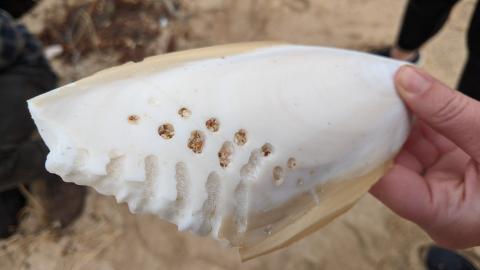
point(16, 148)
point(22, 154)
point(469, 83)
point(22, 158)
point(11, 201)
point(421, 21)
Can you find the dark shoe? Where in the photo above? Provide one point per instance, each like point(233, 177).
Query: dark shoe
point(443, 259)
point(385, 52)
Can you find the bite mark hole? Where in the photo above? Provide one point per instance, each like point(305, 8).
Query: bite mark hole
point(292, 163)
point(267, 149)
point(184, 112)
point(166, 131)
point(225, 153)
point(240, 137)
point(213, 124)
point(133, 119)
point(196, 141)
point(278, 175)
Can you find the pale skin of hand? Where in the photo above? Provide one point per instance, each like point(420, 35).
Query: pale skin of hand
point(435, 181)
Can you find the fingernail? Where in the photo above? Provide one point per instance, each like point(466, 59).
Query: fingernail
point(412, 82)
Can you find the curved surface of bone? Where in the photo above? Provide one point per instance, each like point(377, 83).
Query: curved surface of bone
point(255, 144)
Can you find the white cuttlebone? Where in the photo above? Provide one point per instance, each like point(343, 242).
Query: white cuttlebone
point(334, 112)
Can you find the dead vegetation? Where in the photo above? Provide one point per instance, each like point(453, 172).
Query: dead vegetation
point(130, 28)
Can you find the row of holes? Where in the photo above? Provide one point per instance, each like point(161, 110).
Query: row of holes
point(167, 131)
point(197, 141)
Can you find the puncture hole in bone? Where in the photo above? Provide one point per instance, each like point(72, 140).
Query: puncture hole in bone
point(240, 137)
point(196, 141)
point(184, 112)
point(133, 119)
point(166, 131)
point(213, 124)
point(267, 149)
point(278, 175)
point(292, 163)
point(225, 153)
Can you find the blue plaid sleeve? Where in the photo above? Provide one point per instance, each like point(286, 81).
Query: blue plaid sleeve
point(11, 41)
point(17, 45)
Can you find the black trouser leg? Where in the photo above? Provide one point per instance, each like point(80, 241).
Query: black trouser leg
point(10, 202)
point(469, 83)
point(21, 159)
point(16, 125)
point(421, 21)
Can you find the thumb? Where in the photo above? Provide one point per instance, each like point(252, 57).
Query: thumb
point(449, 112)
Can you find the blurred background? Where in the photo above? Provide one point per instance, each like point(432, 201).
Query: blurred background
point(81, 37)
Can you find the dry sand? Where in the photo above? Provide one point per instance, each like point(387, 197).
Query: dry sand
point(369, 236)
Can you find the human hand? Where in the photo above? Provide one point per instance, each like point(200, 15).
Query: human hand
point(435, 181)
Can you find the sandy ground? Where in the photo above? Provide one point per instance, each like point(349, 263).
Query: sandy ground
point(369, 236)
